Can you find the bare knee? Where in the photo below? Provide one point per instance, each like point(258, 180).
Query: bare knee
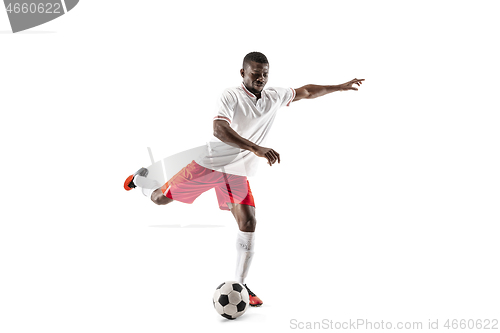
point(245, 217)
point(247, 224)
point(158, 198)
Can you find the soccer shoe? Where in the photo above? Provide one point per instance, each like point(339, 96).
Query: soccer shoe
point(254, 300)
point(129, 182)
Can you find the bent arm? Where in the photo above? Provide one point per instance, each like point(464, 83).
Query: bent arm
point(226, 134)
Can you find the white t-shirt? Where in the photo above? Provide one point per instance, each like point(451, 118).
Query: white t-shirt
point(252, 119)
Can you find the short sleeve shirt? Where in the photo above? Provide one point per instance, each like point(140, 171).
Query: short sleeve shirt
point(252, 119)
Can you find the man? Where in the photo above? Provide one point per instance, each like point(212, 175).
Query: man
point(244, 117)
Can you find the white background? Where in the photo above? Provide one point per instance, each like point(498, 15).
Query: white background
point(385, 205)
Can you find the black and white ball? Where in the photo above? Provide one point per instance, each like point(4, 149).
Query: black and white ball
point(231, 299)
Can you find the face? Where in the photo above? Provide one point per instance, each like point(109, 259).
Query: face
point(255, 76)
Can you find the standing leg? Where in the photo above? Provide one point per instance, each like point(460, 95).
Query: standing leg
point(245, 217)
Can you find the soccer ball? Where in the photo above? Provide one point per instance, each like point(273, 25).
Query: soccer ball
point(231, 299)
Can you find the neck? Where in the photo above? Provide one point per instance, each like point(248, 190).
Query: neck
point(256, 93)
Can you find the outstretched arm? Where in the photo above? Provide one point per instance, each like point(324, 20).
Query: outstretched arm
point(226, 134)
point(312, 91)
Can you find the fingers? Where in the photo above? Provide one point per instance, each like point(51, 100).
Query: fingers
point(358, 81)
point(272, 156)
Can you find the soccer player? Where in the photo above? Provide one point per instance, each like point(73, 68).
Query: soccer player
point(242, 122)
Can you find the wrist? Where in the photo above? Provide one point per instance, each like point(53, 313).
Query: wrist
point(253, 148)
point(334, 88)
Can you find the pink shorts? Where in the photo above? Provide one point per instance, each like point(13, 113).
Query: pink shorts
point(189, 183)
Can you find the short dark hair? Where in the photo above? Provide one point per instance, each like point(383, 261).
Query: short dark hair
point(255, 56)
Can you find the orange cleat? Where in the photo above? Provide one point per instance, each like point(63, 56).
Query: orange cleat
point(129, 182)
point(254, 299)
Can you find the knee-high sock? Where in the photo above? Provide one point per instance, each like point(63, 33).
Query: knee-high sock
point(244, 254)
point(147, 185)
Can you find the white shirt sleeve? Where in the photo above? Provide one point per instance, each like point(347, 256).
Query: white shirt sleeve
point(225, 107)
point(286, 95)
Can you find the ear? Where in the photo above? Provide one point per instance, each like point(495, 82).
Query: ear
point(242, 72)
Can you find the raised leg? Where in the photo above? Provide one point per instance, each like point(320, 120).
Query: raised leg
point(158, 198)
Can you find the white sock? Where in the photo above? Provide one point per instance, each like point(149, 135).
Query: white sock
point(244, 254)
point(147, 185)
